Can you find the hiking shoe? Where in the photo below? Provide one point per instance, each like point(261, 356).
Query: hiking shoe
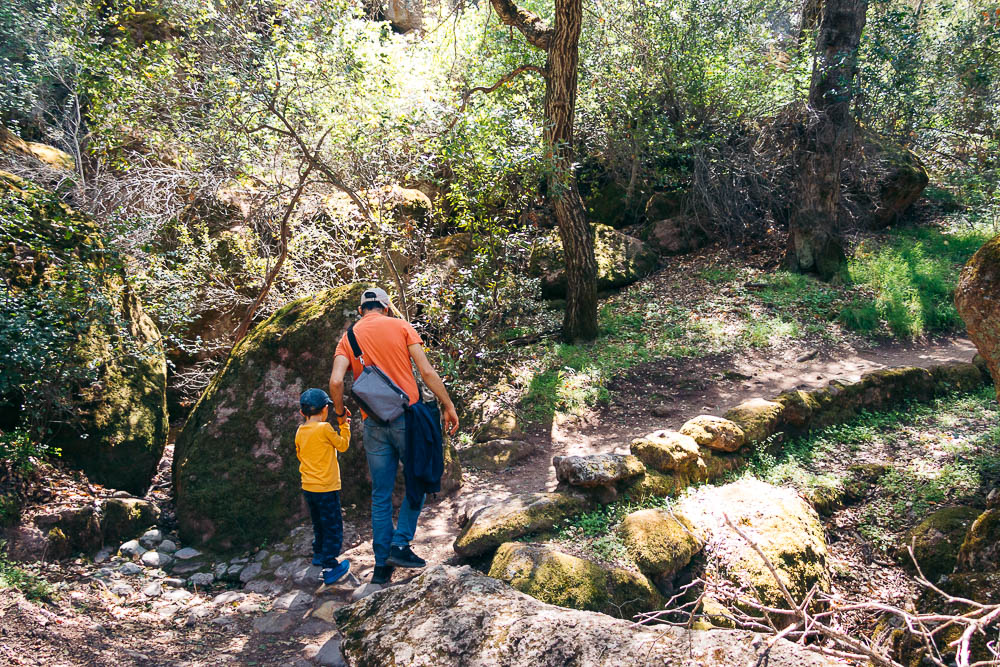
point(332, 575)
point(382, 574)
point(404, 557)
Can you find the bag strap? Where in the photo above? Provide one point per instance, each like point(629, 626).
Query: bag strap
point(355, 348)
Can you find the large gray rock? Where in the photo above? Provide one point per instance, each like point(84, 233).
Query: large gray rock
point(597, 469)
point(456, 617)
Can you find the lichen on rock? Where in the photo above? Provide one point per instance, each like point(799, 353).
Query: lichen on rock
point(515, 517)
point(936, 541)
point(758, 418)
point(659, 542)
point(715, 433)
point(977, 301)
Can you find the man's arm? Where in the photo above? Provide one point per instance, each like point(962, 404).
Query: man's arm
point(433, 380)
point(340, 366)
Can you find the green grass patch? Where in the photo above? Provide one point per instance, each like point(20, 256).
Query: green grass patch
point(29, 584)
point(908, 282)
point(596, 533)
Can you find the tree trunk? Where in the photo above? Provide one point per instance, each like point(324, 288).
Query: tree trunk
point(814, 243)
point(580, 320)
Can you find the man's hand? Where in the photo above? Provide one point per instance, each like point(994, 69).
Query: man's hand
point(344, 417)
point(450, 419)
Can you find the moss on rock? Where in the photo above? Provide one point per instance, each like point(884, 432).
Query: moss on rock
point(936, 541)
point(513, 518)
point(567, 581)
point(959, 376)
point(757, 418)
point(715, 433)
point(785, 528)
point(658, 542)
point(237, 445)
point(621, 261)
point(668, 451)
point(121, 425)
point(980, 549)
point(127, 517)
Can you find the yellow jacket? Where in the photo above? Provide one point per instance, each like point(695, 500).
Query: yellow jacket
point(316, 445)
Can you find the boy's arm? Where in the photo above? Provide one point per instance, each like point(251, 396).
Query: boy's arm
point(340, 441)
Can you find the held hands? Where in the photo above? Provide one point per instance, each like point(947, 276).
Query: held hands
point(341, 419)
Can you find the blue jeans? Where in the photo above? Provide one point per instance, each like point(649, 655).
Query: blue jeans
point(384, 447)
point(328, 525)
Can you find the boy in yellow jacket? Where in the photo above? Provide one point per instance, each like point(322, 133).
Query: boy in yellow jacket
point(316, 445)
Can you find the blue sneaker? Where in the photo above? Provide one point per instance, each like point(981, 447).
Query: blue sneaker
point(317, 559)
point(332, 575)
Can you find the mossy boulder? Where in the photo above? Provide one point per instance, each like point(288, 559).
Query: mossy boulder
point(977, 299)
point(558, 578)
point(71, 530)
point(119, 426)
point(669, 451)
point(124, 518)
point(659, 542)
point(757, 418)
point(621, 261)
point(515, 517)
point(798, 408)
point(785, 528)
point(980, 549)
point(936, 541)
point(674, 235)
point(236, 475)
point(13, 145)
point(715, 433)
point(900, 177)
point(959, 376)
point(503, 425)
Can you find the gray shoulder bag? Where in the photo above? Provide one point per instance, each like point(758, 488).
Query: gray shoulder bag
point(374, 391)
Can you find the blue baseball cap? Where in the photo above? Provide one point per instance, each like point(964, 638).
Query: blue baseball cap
point(313, 401)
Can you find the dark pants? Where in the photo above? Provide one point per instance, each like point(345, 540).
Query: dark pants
point(328, 525)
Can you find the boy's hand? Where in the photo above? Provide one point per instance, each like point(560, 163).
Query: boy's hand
point(345, 417)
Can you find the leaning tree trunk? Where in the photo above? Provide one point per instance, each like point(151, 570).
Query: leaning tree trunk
point(814, 243)
point(580, 319)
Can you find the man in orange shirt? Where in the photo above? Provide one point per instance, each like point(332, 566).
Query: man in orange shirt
point(390, 344)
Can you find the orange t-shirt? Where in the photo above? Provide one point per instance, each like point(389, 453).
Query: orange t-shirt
point(384, 342)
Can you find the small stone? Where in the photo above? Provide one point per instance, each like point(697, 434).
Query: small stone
point(220, 570)
point(250, 572)
point(156, 559)
point(151, 538)
point(293, 601)
point(287, 570)
point(121, 494)
point(103, 573)
point(224, 621)
point(177, 595)
point(173, 582)
point(167, 547)
point(186, 553)
point(276, 622)
point(167, 611)
point(264, 587)
point(325, 611)
point(233, 571)
point(329, 655)
point(103, 555)
point(240, 561)
point(131, 549)
point(153, 589)
point(201, 579)
point(229, 597)
point(307, 575)
point(199, 613)
point(275, 561)
point(187, 567)
point(130, 569)
point(249, 607)
point(261, 556)
point(122, 590)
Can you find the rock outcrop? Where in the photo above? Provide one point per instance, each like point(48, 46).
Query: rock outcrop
point(980, 550)
point(977, 298)
point(497, 454)
point(715, 433)
point(621, 261)
point(456, 617)
point(121, 411)
point(936, 541)
point(237, 445)
point(785, 528)
point(900, 178)
point(659, 542)
point(558, 578)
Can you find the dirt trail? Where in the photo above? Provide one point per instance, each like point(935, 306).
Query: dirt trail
point(677, 390)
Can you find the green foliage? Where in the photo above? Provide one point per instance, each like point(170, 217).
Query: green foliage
point(20, 450)
point(911, 280)
point(31, 585)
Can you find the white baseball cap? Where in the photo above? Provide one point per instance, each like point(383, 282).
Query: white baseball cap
point(375, 295)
